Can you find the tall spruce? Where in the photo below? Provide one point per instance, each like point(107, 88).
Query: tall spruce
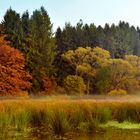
point(13, 29)
point(41, 52)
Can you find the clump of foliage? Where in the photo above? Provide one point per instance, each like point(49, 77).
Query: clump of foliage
point(103, 80)
point(118, 92)
point(13, 77)
point(74, 84)
point(86, 62)
point(121, 73)
point(134, 83)
point(49, 84)
point(100, 72)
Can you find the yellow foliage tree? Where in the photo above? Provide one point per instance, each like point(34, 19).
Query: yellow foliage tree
point(87, 61)
point(122, 74)
point(135, 62)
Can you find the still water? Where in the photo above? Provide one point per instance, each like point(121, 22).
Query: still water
point(111, 135)
point(106, 135)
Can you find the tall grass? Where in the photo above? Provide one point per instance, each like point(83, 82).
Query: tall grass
point(61, 116)
point(59, 122)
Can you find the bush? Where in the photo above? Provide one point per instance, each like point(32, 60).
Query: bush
point(74, 84)
point(117, 92)
point(49, 84)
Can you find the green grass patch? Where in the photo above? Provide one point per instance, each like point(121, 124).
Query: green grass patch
point(123, 125)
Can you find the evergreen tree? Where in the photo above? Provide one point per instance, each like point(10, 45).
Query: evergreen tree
point(59, 41)
point(41, 52)
point(13, 29)
point(136, 50)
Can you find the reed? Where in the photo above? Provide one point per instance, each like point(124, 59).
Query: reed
point(62, 116)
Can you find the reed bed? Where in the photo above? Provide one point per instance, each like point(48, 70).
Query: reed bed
point(60, 116)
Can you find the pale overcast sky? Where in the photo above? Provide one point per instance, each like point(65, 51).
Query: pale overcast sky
point(90, 11)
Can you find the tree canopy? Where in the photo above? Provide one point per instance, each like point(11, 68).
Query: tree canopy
point(33, 36)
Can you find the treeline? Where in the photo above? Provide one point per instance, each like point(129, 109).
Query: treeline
point(118, 39)
point(69, 60)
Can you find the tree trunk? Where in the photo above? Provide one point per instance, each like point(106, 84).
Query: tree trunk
point(88, 86)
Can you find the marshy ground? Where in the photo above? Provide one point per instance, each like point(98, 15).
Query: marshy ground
point(70, 117)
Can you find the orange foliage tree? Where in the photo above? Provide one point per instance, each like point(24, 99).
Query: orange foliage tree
point(13, 77)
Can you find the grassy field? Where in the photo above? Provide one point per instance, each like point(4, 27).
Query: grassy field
point(60, 115)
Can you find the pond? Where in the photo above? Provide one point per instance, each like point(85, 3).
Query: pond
point(112, 135)
point(109, 134)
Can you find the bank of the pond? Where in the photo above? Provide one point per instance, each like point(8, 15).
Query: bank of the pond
point(63, 117)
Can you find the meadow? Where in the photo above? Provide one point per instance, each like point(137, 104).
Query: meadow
point(65, 116)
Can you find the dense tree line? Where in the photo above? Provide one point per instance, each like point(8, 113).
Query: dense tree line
point(118, 39)
point(82, 58)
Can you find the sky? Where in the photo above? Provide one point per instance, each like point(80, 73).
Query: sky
point(98, 12)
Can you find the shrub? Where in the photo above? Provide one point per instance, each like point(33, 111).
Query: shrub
point(117, 92)
point(48, 84)
point(74, 84)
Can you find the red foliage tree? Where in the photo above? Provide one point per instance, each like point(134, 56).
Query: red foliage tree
point(13, 77)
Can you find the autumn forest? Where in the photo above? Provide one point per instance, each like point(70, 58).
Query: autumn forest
point(81, 59)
